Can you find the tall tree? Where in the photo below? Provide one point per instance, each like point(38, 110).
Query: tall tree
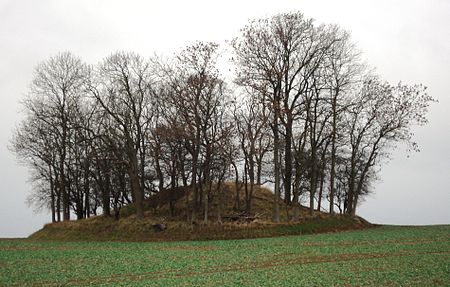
point(381, 115)
point(122, 85)
point(252, 122)
point(56, 89)
point(198, 97)
point(343, 72)
point(279, 57)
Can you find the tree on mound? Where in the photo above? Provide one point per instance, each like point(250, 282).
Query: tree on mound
point(304, 116)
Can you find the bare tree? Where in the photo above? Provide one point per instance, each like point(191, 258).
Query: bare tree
point(380, 116)
point(122, 86)
point(344, 70)
point(252, 122)
point(35, 147)
point(279, 57)
point(55, 92)
point(198, 96)
point(104, 136)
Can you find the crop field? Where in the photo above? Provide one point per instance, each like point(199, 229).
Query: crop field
point(382, 256)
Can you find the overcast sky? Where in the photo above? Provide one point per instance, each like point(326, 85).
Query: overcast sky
point(406, 41)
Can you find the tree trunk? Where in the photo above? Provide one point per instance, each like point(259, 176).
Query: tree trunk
point(142, 161)
point(106, 191)
point(245, 180)
point(313, 181)
point(288, 162)
point(322, 176)
point(135, 186)
point(252, 181)
point(351, 189)
point(258, 172)
point(58, 206)
point(248, 205)
point(237, 187)
point(65, 196)
point(219, 203)
point(322, 179)
point(333, 156)
point(194, 176)
point(276, 150)
point(52, 195)
point(172, 188)
point(182, 166)
point(86, 188)
point(297, 181)
point(205, 204)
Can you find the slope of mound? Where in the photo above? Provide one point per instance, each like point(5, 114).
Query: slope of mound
point(261, 205)
point(235, 223)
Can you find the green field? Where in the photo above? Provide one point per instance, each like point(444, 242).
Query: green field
point(383, 256)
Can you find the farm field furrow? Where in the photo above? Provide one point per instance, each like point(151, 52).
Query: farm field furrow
point(383, 256)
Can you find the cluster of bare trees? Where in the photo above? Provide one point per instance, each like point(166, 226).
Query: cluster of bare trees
point(303, 113)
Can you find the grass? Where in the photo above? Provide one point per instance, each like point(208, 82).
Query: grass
point(130, 229)
point(382, 256)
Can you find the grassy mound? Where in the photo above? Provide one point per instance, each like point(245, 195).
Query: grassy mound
point(127, 228)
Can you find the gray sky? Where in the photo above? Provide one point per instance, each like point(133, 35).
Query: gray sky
point(406, 41)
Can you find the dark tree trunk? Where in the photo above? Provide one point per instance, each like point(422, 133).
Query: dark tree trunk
point(52, 195)
point(297, 181)
point(237, 204)
point(245, 180)
point(322, 179)
point(276, 150)
point(194, 176)
point(207, 177)
point(333, 155)
point(142, 155)
point(251, 173)
point(58, 206)
point(313, 181)
point(86, 188)
point(106, 193)
point(348, 203)
point(288, 162)
point(219, 201)
point(258, 171)
point(323, 165)
point(65, 195)
point(62, 175)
